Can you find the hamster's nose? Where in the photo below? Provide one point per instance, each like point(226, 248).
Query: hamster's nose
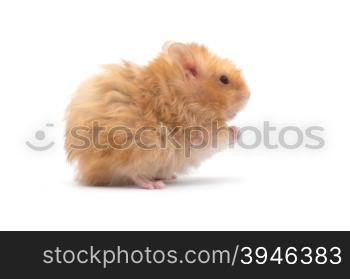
point(245, 94)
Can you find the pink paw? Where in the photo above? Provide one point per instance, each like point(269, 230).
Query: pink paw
point(158, 184)
point(235, 132)
point(145, 183)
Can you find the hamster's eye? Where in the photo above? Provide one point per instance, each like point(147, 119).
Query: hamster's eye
point(224, 79)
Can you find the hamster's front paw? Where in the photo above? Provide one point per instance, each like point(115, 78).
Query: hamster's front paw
point(234, 132)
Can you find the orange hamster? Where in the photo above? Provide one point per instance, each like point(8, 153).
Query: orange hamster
point(144, 124)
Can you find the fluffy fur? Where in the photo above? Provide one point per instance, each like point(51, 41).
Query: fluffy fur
point(180, 88)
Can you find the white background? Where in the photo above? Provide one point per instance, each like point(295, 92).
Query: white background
point(294, 55)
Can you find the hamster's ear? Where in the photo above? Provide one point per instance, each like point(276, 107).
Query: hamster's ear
point(182, 55)
point(166, 45)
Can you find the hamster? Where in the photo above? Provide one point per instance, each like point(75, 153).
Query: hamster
point(136, 124)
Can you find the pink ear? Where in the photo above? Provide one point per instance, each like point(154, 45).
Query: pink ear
point(182, 54)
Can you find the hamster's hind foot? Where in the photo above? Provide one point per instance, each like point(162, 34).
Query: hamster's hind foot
point(146, 183)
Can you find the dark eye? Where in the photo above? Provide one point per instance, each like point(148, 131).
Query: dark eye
point(224, 79)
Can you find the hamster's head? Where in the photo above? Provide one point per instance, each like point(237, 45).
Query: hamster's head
point(208, 83)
